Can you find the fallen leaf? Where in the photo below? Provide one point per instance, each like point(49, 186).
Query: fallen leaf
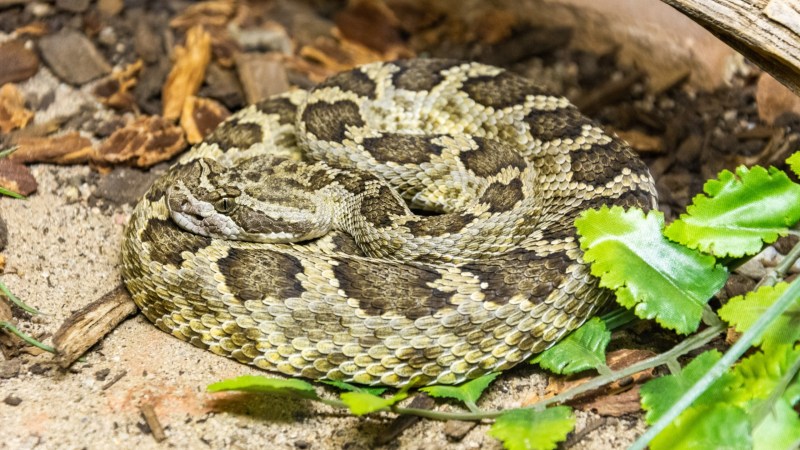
point(146, 141)
point(187, 73)
point(12, 109)
point(200, 116)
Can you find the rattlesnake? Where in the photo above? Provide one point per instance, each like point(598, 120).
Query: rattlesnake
point(487, 272)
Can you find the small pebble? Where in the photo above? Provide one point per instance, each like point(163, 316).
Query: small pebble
point(12, 400)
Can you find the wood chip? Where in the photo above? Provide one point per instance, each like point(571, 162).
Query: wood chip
point(69, 148)
point(73, 57)
point(116, 91)
point(608, 93)
point(188, 71)
point(200, 117)
point(87, 326)
point(262, 75)
point(496, 25)
point(114, 380)
point(12, 109)
point(372, 24)
point(149, 414)
point(19, 63)
point(216, 13)
point(338, 55)
point(641, 142)
point(146, 141)
point(17, 178)
point(526, 44)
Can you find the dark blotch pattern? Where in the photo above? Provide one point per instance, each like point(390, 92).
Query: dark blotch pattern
point(277, 274)
point(439, 225)
point(235, 134)
point(558, 124)
point(383, 287)
point(521, 271)
point(491, 157)
point(502, 197)
point(354, 81)
point(286, 111)
point(378, 208)
point(402, 148)
point(500, 91)
point(600, 164)
point(167, 241)
point(421, 74)
point(329, 121)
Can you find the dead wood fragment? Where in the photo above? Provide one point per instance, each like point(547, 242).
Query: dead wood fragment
point(12, 109)
point(116, 90)
point(608, 93)
point(68, 148)
point(114, 380)
point(215, 13)
point(372, 24)
point(146, 141)
point(149, 414)
point(200, 117)
point(525, 44)
point(90, 324)
point(187, 73)
point(767, 32)
point(262, 75)
point(641, 142)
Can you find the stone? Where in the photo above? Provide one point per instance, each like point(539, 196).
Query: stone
point(73, 57)
point(19, 63)
point(75, 6)
point(262, 76)
point(774, 99)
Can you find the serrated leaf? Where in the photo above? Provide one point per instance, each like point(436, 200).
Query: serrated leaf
point(583, 349)
point(739, 212)
point(794, 163)
point(656, 278)
point(743, 311)
point(756, 376)
point(709, 427)
point(468, 392)
point(526, 429)
point(780, 429)
point(658, 395)
point(253, 383)
point(361, 403)
point(354, 388)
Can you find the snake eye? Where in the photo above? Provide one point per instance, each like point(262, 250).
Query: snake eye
point(225, 205)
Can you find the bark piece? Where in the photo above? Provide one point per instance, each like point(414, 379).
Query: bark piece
point(262, 75)
point(200, 117)
point(116, 91)
point(12, 109)
point(75, 6)
point(73, 57)
point(146, 141)
point(372, 24)
point(149, 414)
point(19, 63)
point(216, 13)
point(69, 148)
point(767, 32)
point(187, 74)
point(91, 323)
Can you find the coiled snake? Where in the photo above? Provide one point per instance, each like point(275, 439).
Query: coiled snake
point(287, 239)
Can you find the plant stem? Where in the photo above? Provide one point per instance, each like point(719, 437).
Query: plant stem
point(25, 337)
point(765, 406)
point(745, 341)
point(17, 301)
point(782, 268)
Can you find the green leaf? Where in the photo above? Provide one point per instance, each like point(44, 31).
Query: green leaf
point(655, 277)
point(740, 211)
point(253, 383)
point(10, 193)
point(353, 388)
point(526, 429)
point(361, 403)
point(794, 163)
point(468, 392)
point(756, 376)
point(583, 349)
point(780, 429)
point(721, 426)
point(743, 311)
point(658, 395)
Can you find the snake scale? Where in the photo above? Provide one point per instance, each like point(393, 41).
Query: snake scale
point(403, 222)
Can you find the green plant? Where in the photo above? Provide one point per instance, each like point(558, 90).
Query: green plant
point(667, 275)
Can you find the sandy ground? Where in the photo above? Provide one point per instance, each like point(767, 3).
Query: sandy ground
point(63, 253)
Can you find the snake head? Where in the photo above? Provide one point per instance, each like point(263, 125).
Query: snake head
point(261, 200)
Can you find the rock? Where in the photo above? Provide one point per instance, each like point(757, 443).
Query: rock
point(73, 57)
point(774, 99)
point(19, 63)
point(262, 76)
point(147, 42)
point(110, 8)
point(223, 85)
point(75, 6)
point(9, 369)
point(17, 177)
point(124, 185)
point(12, 400)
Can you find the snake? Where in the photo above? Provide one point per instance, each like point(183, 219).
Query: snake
point(402, 223)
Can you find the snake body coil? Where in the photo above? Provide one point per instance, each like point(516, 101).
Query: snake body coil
point(287, 239)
